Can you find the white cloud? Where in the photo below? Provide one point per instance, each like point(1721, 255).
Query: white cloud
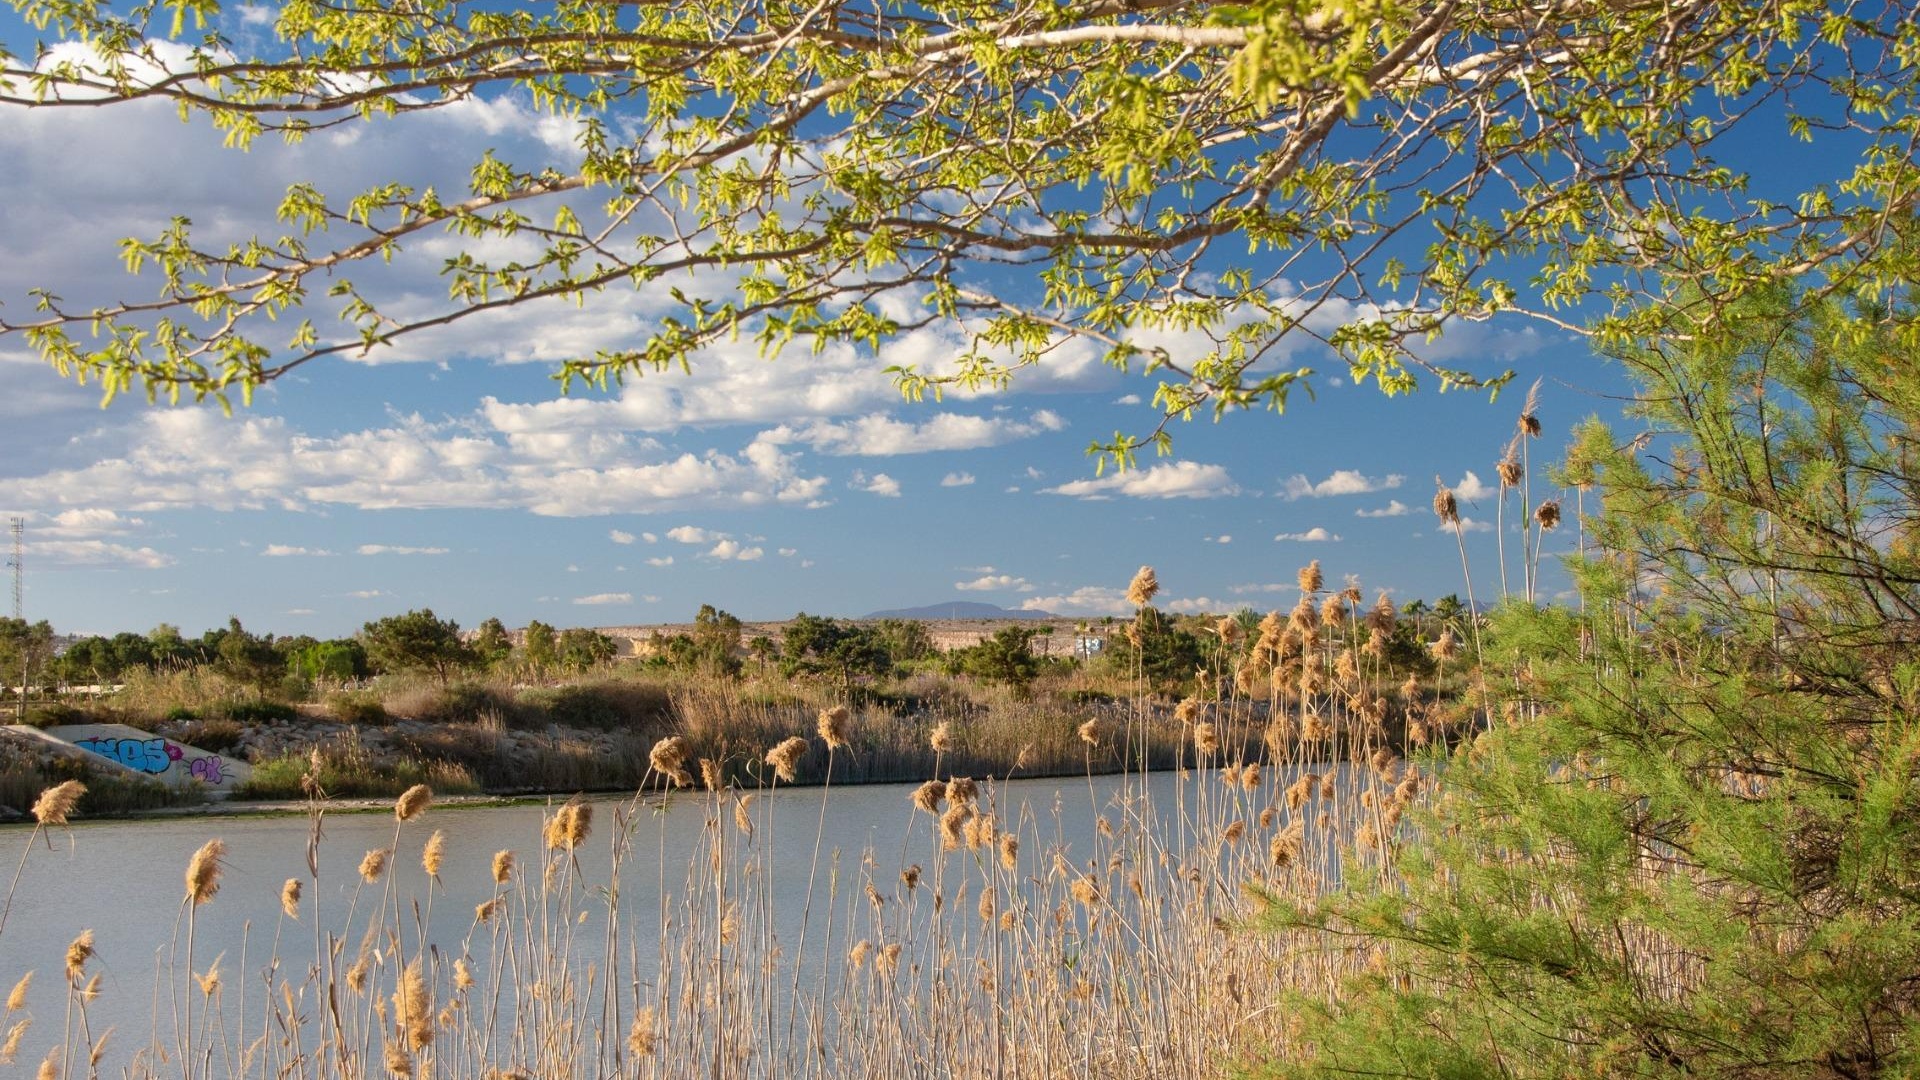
point(1200, 605)
point(619, 536)
point(788, 553)
point(1339, 482)
point(1088, 600)
point(1179, 480)
point(690, 534)
point(1472, 489)
point(573, 568)
point(957, 479)
point(880, 435)
point(994, 583)
point(392, 549)
point(1127, 399)
point(731, 549)
point(81, 524)
point(59, 554)
point(284, 550)
point(1394, 508)
point(879, 484)
point(663, 560)
point(605, 598)
point(367, 594)
point(649, 538)
point(298, 611)
point(192, 458)
point(1219, 539)
point(1315, 535)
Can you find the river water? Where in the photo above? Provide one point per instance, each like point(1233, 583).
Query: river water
point(124, 882)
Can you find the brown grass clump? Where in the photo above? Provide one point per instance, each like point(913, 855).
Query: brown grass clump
point(55, 803)
point(833, 726)
point(502, 867)
point(1143, 587)
point(203, 871)
point(412, 802)
point(290, 898)
point(373, 865)
point(669, 759)
point(785, 758)
point(79, 951)
point(641, 1039)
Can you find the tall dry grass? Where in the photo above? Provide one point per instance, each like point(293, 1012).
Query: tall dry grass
point(993, 943)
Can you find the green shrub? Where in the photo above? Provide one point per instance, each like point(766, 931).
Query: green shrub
point(362, 709)
point(257, 712)
point(217, 736)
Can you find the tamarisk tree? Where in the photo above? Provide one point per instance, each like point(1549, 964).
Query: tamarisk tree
point(1189, 187)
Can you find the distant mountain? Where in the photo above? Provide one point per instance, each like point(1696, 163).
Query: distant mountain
point(959, 609)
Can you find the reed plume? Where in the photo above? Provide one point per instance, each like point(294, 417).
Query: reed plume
point(568, 827)
point(1142, 589)
point(929, 796)
point(412, 802)
point(1548, 515)
point(942, 738)
point(373, 864)
point(433, 853)
point(79, 951)
point(833, 726)
point(1093, 732)
point(17, 998)
point(55, 803)
point(641, 1040)
point(1086, 891)
point(785, 757)
point(290, 898)
point(203, 871)
point(11, 1046)
point(1206, 740)
point(1445, 506)
point(669, 759)
point(962, 789)
point(412, 1009)
point(711, 774)
point(1310, 578)
point(502, 867)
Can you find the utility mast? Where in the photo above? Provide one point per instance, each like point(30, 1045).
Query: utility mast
point(19, 564)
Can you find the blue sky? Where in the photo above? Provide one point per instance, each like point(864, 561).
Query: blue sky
point(450, 474)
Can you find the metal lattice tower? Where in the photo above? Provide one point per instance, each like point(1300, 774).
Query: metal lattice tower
point(18, 562)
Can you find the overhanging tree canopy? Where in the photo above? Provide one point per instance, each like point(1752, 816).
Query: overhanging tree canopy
point(1188, 185)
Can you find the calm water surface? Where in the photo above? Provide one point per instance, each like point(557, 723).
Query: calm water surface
point(125, 880)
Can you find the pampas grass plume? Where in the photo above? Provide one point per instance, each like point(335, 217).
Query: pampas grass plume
point(833, 726)
point(79, 951)
point(412, 802)
point(785, 757)
point(203, 871)
point(1143, 587)
point(55, 803)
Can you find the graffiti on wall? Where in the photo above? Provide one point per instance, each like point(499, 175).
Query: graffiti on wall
point(156, 756)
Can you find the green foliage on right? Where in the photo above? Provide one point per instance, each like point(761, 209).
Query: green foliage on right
point(1689, 842)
